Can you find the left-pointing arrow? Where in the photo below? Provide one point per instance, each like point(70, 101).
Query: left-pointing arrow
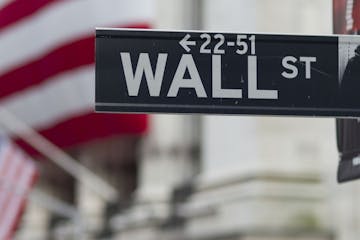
point(185, 43)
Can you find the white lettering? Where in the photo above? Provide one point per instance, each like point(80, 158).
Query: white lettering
point(217, 91)
point(293, 69)
point(253, 91)
point(133, 81)
point(187, 62)
point(308, 61)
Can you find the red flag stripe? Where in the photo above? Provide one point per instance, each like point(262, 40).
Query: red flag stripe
point(61, 23)
point(19, 9)
point(91, 126)
point(31, 183)
point(9, 178)
point(48, 81)
point(19, 177)
point(52, 63)
point(58, 60)
point(16, 199)
point(11, 189)
point(4, 165)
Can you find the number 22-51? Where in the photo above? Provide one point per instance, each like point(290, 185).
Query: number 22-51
point(242, 44)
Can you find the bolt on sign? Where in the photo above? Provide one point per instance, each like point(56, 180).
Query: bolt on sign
point(227, 73)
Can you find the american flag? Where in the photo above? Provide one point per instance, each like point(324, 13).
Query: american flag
point(346, 16)
point(17, 175)
point(47, 65)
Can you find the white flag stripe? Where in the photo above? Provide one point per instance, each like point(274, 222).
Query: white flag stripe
point(5, 162)
point(75, 89)
point(19, 175)
point(8, 179)
point(4, 2)
point(4, 151)
point(16, 200)
point(63, 22)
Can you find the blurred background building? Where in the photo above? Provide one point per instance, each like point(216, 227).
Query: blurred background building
point(180, 177)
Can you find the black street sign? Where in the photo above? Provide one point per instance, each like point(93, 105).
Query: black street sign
point(227, 73)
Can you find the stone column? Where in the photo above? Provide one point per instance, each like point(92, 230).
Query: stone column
point(262, 177)
point(167, 163)
point(114, 160)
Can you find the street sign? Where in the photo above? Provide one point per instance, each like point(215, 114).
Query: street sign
point(227, 73)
